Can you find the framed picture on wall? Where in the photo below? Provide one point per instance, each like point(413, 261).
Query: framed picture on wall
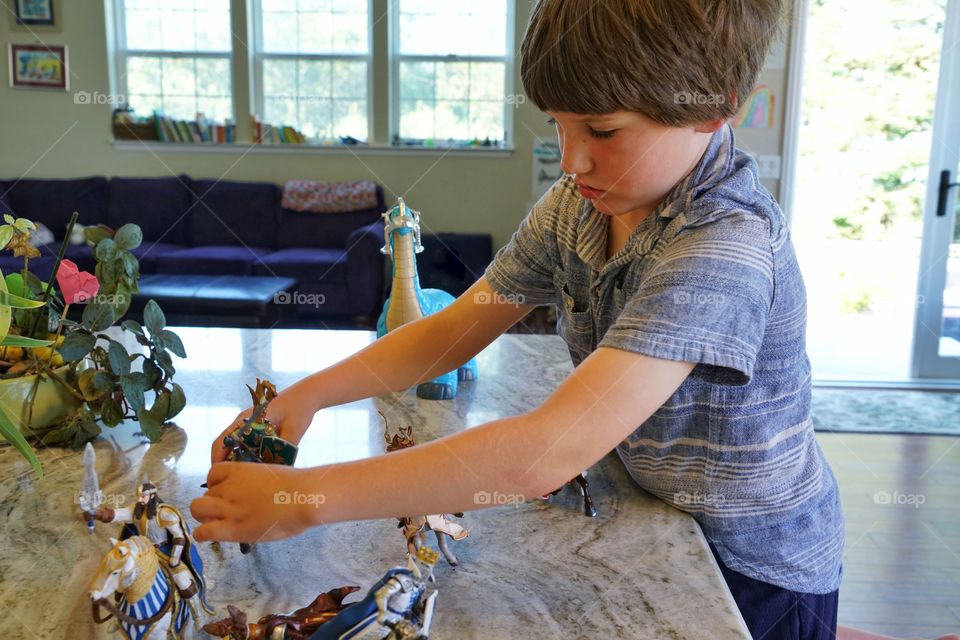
point(35, 12)
point(37, 65)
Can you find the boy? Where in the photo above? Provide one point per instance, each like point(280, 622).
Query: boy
point(678, 295)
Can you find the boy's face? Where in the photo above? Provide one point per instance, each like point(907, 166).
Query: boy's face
point(625, 162)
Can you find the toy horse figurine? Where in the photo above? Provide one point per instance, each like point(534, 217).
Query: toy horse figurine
point(415, 527)
point(132, 570)
point(407, 301)
point(588, 508)
point(398, 607)
point(298, 625)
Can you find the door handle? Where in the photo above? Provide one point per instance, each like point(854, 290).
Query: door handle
point(945, 186)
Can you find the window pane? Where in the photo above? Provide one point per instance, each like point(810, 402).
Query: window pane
point(460, 27)
point(213, 77)
point(350, 32)
point(316, 33)
point(177, 28)
point(350, 80)
point(279, 31)
point(416, 119)
point(179, 77)
point(144, 105)
point(316, 118)
point(181, 108)
point(315, 78)
point(453, 80)
point(486, 120)
point(315, 27)
point(417, 80)
point(486, 80)
point(213, 30)
point(218, 109)
point(143, 75)
point(350, 118)
point(280, 111)
point(143, 29)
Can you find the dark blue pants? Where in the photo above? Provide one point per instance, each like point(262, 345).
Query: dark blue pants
point(774, 613)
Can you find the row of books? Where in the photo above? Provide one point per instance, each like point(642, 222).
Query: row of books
point(201, 130)
point(265, 133)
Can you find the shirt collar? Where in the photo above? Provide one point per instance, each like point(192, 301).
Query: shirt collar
point(714, 165)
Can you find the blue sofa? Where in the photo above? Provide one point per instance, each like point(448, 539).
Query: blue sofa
point(215, 227)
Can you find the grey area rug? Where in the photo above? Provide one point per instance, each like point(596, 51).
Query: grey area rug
point(879, 411)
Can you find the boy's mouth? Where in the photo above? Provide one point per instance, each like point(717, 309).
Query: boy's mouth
point(589, 192)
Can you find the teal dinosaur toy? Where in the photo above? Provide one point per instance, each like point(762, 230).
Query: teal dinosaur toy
point(407, 301)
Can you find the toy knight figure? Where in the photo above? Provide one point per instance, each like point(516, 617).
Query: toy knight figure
point(163, 524)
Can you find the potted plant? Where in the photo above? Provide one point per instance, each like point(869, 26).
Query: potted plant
point(61, 379)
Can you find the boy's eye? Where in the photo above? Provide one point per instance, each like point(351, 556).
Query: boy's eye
point(601, 134)
point(551, 121)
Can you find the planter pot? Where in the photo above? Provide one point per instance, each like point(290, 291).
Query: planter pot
point(52, 404)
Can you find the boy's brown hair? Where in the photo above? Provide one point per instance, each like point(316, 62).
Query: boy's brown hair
point(679, 62)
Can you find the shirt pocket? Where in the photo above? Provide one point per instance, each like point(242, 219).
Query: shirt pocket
point(574, 318)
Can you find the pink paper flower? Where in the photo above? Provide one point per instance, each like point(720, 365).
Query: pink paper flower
point(76, 285)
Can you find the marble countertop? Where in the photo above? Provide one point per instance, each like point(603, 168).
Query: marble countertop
point(540, 569)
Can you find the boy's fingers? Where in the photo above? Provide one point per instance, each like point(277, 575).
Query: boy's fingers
point(218, 473)
point(215, 530)
point(206, 508)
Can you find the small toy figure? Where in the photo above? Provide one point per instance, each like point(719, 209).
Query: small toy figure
point(167, 534)
point(144, 590)
point(415, 527)
point(407, 301)
point(256, 440)
point(588, 508)
point(398, 607)
point(298, 625)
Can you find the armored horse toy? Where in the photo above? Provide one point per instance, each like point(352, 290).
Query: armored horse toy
point(407, 301)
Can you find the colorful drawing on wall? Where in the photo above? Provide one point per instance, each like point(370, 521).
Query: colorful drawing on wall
point(35, 12)
point(757, 111)
point(33, 65)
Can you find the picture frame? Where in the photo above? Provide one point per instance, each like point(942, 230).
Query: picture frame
point(34, 12)
point(37, 65)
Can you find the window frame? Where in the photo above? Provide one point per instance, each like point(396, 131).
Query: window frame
point(121, 53)
point(257, 56)
point(395, 58)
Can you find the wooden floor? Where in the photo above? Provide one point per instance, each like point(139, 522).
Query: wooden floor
point(901, 501)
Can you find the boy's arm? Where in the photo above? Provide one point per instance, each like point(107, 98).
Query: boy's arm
point(604, 400)
point(417, 351)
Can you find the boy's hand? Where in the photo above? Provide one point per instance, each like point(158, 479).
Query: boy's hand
point(254, 503)
point(290, 412)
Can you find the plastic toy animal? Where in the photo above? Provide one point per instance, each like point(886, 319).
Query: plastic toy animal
point(298, 625)
point(588, 508)
point(407, 301)
point(147, 593)
point(415, 527)
point(398, 607)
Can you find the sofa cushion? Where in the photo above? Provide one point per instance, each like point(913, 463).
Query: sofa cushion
point(147, 254)
point(234, 213)
point(53, 201)
point(212, 260)
point(307, 265)
point(159, 205)
point(323, 230)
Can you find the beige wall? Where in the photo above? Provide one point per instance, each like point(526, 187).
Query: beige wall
point(44, 134)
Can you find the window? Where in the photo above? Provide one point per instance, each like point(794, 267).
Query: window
point(313, 66)
point(452, 62)
point(174, 56)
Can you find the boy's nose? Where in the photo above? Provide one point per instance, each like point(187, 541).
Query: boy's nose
point(574, 157)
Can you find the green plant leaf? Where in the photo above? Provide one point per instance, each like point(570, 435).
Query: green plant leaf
point(133, 325)
point(153, 373)
point(6, 234)
point(21, 341)
point(153, 317)
point(87, 385)
point(172, 342)
point(133, 385)
point(106, 250)
point(110, 271)
point(166, 363)
point(9, 219)
point(23, 225)
point(111, 413)
point(131, 266)
point(129, 236)
point(77, 345)
point(119, 358)
point(97, 316)
point(11, 434)
point(104, 380)
point(96, 234)
point(151, 421)
point(178, 400)
point(18, 302)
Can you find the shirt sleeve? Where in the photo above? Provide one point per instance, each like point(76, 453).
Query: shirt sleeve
point(706, 301)
point(524, 266)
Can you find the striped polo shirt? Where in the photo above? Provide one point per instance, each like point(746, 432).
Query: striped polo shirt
point(711, 278)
